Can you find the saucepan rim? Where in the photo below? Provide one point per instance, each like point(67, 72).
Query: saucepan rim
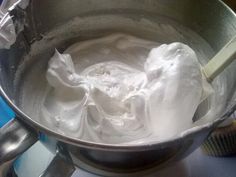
point(39, 128)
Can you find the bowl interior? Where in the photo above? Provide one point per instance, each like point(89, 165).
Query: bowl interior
point(58, 24)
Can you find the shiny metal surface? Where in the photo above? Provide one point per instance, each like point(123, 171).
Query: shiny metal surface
point(59, 167)
point(195, 165)
point(211, 19)
point(5, 168)
point(14, 140)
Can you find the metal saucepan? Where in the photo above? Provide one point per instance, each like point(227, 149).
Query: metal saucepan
point(211, 19)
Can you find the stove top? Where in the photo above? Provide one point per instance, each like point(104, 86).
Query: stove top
point(34, 162)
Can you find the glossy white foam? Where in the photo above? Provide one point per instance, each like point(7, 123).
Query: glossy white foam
point(126, 95)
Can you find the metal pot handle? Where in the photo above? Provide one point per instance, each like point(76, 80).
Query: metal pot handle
point(15, 138)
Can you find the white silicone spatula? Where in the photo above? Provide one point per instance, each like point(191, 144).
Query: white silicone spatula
point(222, 59)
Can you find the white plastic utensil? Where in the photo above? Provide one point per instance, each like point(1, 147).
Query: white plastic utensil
point(222, 59)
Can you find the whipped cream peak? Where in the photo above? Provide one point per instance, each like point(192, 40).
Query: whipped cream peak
point(61, 71)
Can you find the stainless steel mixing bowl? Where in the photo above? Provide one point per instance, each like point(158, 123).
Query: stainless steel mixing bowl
point(211, 19)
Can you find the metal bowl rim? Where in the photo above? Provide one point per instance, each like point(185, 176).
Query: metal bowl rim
point(20, 115)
